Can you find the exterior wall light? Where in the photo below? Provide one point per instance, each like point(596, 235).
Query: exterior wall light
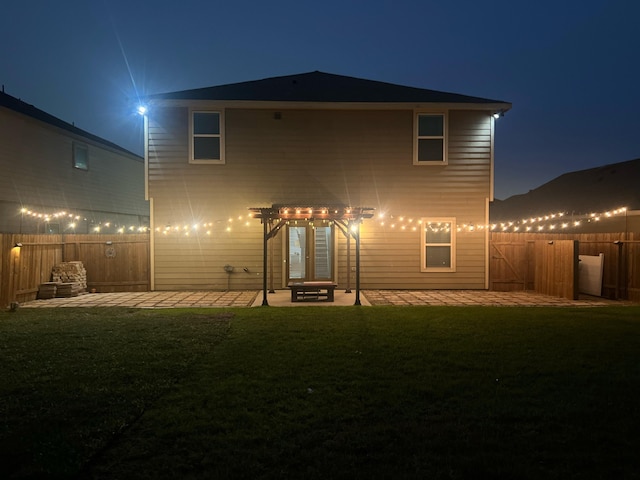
point(142, 110)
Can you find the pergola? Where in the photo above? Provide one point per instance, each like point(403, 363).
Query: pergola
point(346, 218)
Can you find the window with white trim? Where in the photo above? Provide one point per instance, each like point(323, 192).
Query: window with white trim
point(430, 139)
point(207, 137)
point(438, 241)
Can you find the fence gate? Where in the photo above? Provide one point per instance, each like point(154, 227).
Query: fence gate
point(511, 263)
point(519, 262)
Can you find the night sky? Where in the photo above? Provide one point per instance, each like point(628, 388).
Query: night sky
point(571, 68)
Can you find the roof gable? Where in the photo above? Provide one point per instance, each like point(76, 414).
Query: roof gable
point(321, 87)
point(23, 108)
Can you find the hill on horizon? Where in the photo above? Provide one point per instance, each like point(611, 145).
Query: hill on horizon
point(581, 192)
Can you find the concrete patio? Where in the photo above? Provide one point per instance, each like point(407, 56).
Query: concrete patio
point(282, 298)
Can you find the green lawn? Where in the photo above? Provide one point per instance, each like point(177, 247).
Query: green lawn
point(321, 392)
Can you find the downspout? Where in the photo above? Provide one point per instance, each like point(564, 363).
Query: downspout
point(152, 244)
point(487, 248)
point(490, 198)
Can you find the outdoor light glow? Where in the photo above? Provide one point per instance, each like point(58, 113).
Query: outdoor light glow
point(399, 223)
point(72, 218)
point(142, 110)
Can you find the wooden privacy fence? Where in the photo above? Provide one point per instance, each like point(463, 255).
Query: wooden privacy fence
point(518, 261)
point(113, 263)
point(529, 261)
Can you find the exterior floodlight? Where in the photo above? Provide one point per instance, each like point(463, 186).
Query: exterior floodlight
point(142, 110)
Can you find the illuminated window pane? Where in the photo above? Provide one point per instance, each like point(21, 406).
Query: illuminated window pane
point(322, 257)
point(297, 252)
point(438, 248)
point(439, 233)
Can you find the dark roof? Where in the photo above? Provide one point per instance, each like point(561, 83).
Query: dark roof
point(19, 106)
point(584, 191)
point(322, 87)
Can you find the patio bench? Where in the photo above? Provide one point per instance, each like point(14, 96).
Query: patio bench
point(312, 290)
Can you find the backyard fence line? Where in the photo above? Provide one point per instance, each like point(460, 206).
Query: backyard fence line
point(514, 261)
point(518, 261)
point(114, 263)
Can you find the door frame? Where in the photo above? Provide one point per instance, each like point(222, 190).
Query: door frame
point(310, 249)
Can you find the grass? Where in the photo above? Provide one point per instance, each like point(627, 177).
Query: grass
point(344, 392)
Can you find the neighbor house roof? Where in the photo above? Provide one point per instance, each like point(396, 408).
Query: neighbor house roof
point(19, 106)
point(323, 87)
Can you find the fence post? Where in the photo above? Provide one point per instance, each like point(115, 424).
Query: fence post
point(10, 269)
point(5, 259)
point(619, 265)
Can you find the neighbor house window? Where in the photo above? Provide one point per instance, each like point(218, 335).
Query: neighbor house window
point(207, 137)
point(80, 156)
point(438, 245)
point(430, 140)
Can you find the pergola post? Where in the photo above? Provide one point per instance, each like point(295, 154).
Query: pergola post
point(348, 235)
point(271, 254)
point(265, 302)
point(357, 234)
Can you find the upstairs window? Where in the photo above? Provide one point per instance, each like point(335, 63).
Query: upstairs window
point(438, 245)
point(430, 144)
point(207, 137)
point(80, 156)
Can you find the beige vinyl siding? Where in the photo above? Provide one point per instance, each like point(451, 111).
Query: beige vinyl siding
point(37, 164)
point(323, 157)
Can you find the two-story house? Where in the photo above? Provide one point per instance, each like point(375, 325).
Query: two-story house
point(314, 155)
point(57, 178)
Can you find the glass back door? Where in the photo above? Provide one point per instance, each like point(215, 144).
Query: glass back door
point(309, 253)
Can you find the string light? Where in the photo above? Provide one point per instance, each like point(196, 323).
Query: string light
point(550, 222)
point(73, 219)
point(541, 223)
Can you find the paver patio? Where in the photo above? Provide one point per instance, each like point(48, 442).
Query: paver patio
point(283, 298)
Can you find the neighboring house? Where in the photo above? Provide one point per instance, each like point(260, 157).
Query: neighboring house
point(307, 151)
point(603, 199)
point(57, 178)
